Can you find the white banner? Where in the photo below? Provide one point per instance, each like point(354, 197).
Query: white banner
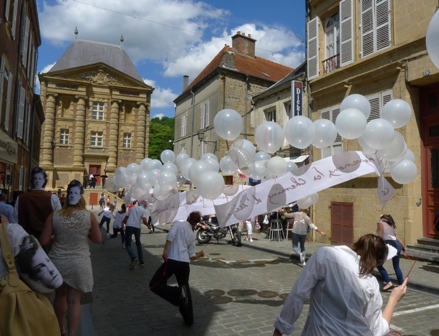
point(178, 205)
point(273, 194)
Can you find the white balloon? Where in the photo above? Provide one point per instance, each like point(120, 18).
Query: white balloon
point(169, 166)
point(247, 145)
point(269, 136)
point(213, 162)
point(262, 156)
point(167, 180)
point(196, 170)
point(210, 185)
point(398, 112)
point(185, 168)
point(228, 124)
point(154, 164)
point(326, 133)
point(364, 146)
point(227, 165)
point(358, 102)
point(209, 156)
point(404, 171)
point(314, 198)
point(180, 179)
point(378, 134)
point(304, 203)
point(277, 166)
point(408, 154)
point(111, 185)
point(394, 149)
point(431, 39)
point(240, 157)
point(133, 169)
point(181, 158)
point(153, 176)
point(299, 132)
point(350, 123)
point(258, 170)
point(167, 156)
point(143, 180)
point(291, 166)
point(144, 164)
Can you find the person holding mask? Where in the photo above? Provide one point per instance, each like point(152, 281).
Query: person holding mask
point(71, 227)
point(386, 230)
point(32, 208)
point(179, 250)
point(345, 298)
point(302, 224)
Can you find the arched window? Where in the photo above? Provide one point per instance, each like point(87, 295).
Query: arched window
point(332, 34)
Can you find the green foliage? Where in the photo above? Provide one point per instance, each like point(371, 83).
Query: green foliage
point(160, 132)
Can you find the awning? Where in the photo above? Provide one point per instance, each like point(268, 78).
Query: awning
point(298, 159)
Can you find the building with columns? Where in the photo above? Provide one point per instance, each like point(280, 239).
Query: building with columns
point(97, 110)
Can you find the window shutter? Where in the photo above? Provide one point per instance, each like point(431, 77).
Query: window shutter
point(382, 24)
point(25, 42)
point(367, 31)
point(207, 112)
point(374, 107)
point(14, 19)
point(8, 102)
point(313, 48)
point(335, 113)
point(7, 9)
point(346, 32)
point(203, 109)
point(20, 119)
point(387, 96)
point(27, 125)
point(326, 115)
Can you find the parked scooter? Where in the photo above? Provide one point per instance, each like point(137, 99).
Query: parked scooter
point(210, 229)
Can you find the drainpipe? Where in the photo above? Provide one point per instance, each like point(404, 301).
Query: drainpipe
point(245, 107)
point(193, 123)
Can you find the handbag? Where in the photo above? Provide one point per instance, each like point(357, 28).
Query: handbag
point(23, 312)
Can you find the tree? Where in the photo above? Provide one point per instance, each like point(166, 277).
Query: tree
point(161, 136)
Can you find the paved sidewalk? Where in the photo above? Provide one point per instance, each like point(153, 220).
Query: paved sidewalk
point(111, 301)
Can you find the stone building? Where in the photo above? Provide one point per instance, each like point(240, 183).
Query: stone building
point(97, 110)
point(228, 81)
point(376, 48)
point(21, 113)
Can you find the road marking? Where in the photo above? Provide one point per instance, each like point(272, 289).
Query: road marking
point(404, 312)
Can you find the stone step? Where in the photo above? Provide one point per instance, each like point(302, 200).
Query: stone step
point(424, 247)
point(428, 241)
point(418, 253)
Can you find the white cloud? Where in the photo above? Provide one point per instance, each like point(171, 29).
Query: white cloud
point(37, 80)
point(159, 115)
point(161, 98)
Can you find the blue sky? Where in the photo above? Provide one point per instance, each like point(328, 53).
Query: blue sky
point(167, 39)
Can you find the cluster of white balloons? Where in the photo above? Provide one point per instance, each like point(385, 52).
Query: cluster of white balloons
point(432, 38)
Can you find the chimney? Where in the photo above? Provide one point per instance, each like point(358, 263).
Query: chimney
point(185, 82)
point(244, 44)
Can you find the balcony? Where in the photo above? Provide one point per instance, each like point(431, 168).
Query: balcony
point(331, 63)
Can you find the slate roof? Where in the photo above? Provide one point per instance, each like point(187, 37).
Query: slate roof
point(253, 66)
point(297, 72)
point(82, 53)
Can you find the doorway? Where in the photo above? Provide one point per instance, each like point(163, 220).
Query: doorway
point(430, 158)
point(96, 171)
point(342, 223)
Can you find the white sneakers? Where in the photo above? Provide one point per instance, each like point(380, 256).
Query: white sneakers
point(302, 259)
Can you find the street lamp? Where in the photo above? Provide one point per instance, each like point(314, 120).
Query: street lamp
point(200, 135)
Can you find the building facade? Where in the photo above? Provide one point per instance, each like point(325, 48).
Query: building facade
point(228, 82)
point(21, 112)
point(97, 110)
point(376, 48)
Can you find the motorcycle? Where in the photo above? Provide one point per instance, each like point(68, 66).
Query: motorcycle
point(210, 229)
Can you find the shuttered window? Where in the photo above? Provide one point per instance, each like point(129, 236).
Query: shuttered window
point(377, 102)
point(313, 48)
point(183, 126)
point(346, 32)
point(204, 115)
point(375, 26)
point(332, 114)
point(21, 110)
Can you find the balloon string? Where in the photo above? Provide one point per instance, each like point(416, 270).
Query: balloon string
point(164, 274)
point(423, 246)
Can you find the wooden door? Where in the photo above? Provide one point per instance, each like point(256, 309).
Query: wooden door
point(342, 223)
point(96, 171)
point(430, 158)
point(93, 200)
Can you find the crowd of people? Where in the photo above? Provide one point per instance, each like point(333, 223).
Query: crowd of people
point(54, 238)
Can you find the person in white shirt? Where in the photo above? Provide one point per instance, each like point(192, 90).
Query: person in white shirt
point(106, 218)
point(118, 225)
point(179, 250)
point(134, 218)
point(345, 297)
